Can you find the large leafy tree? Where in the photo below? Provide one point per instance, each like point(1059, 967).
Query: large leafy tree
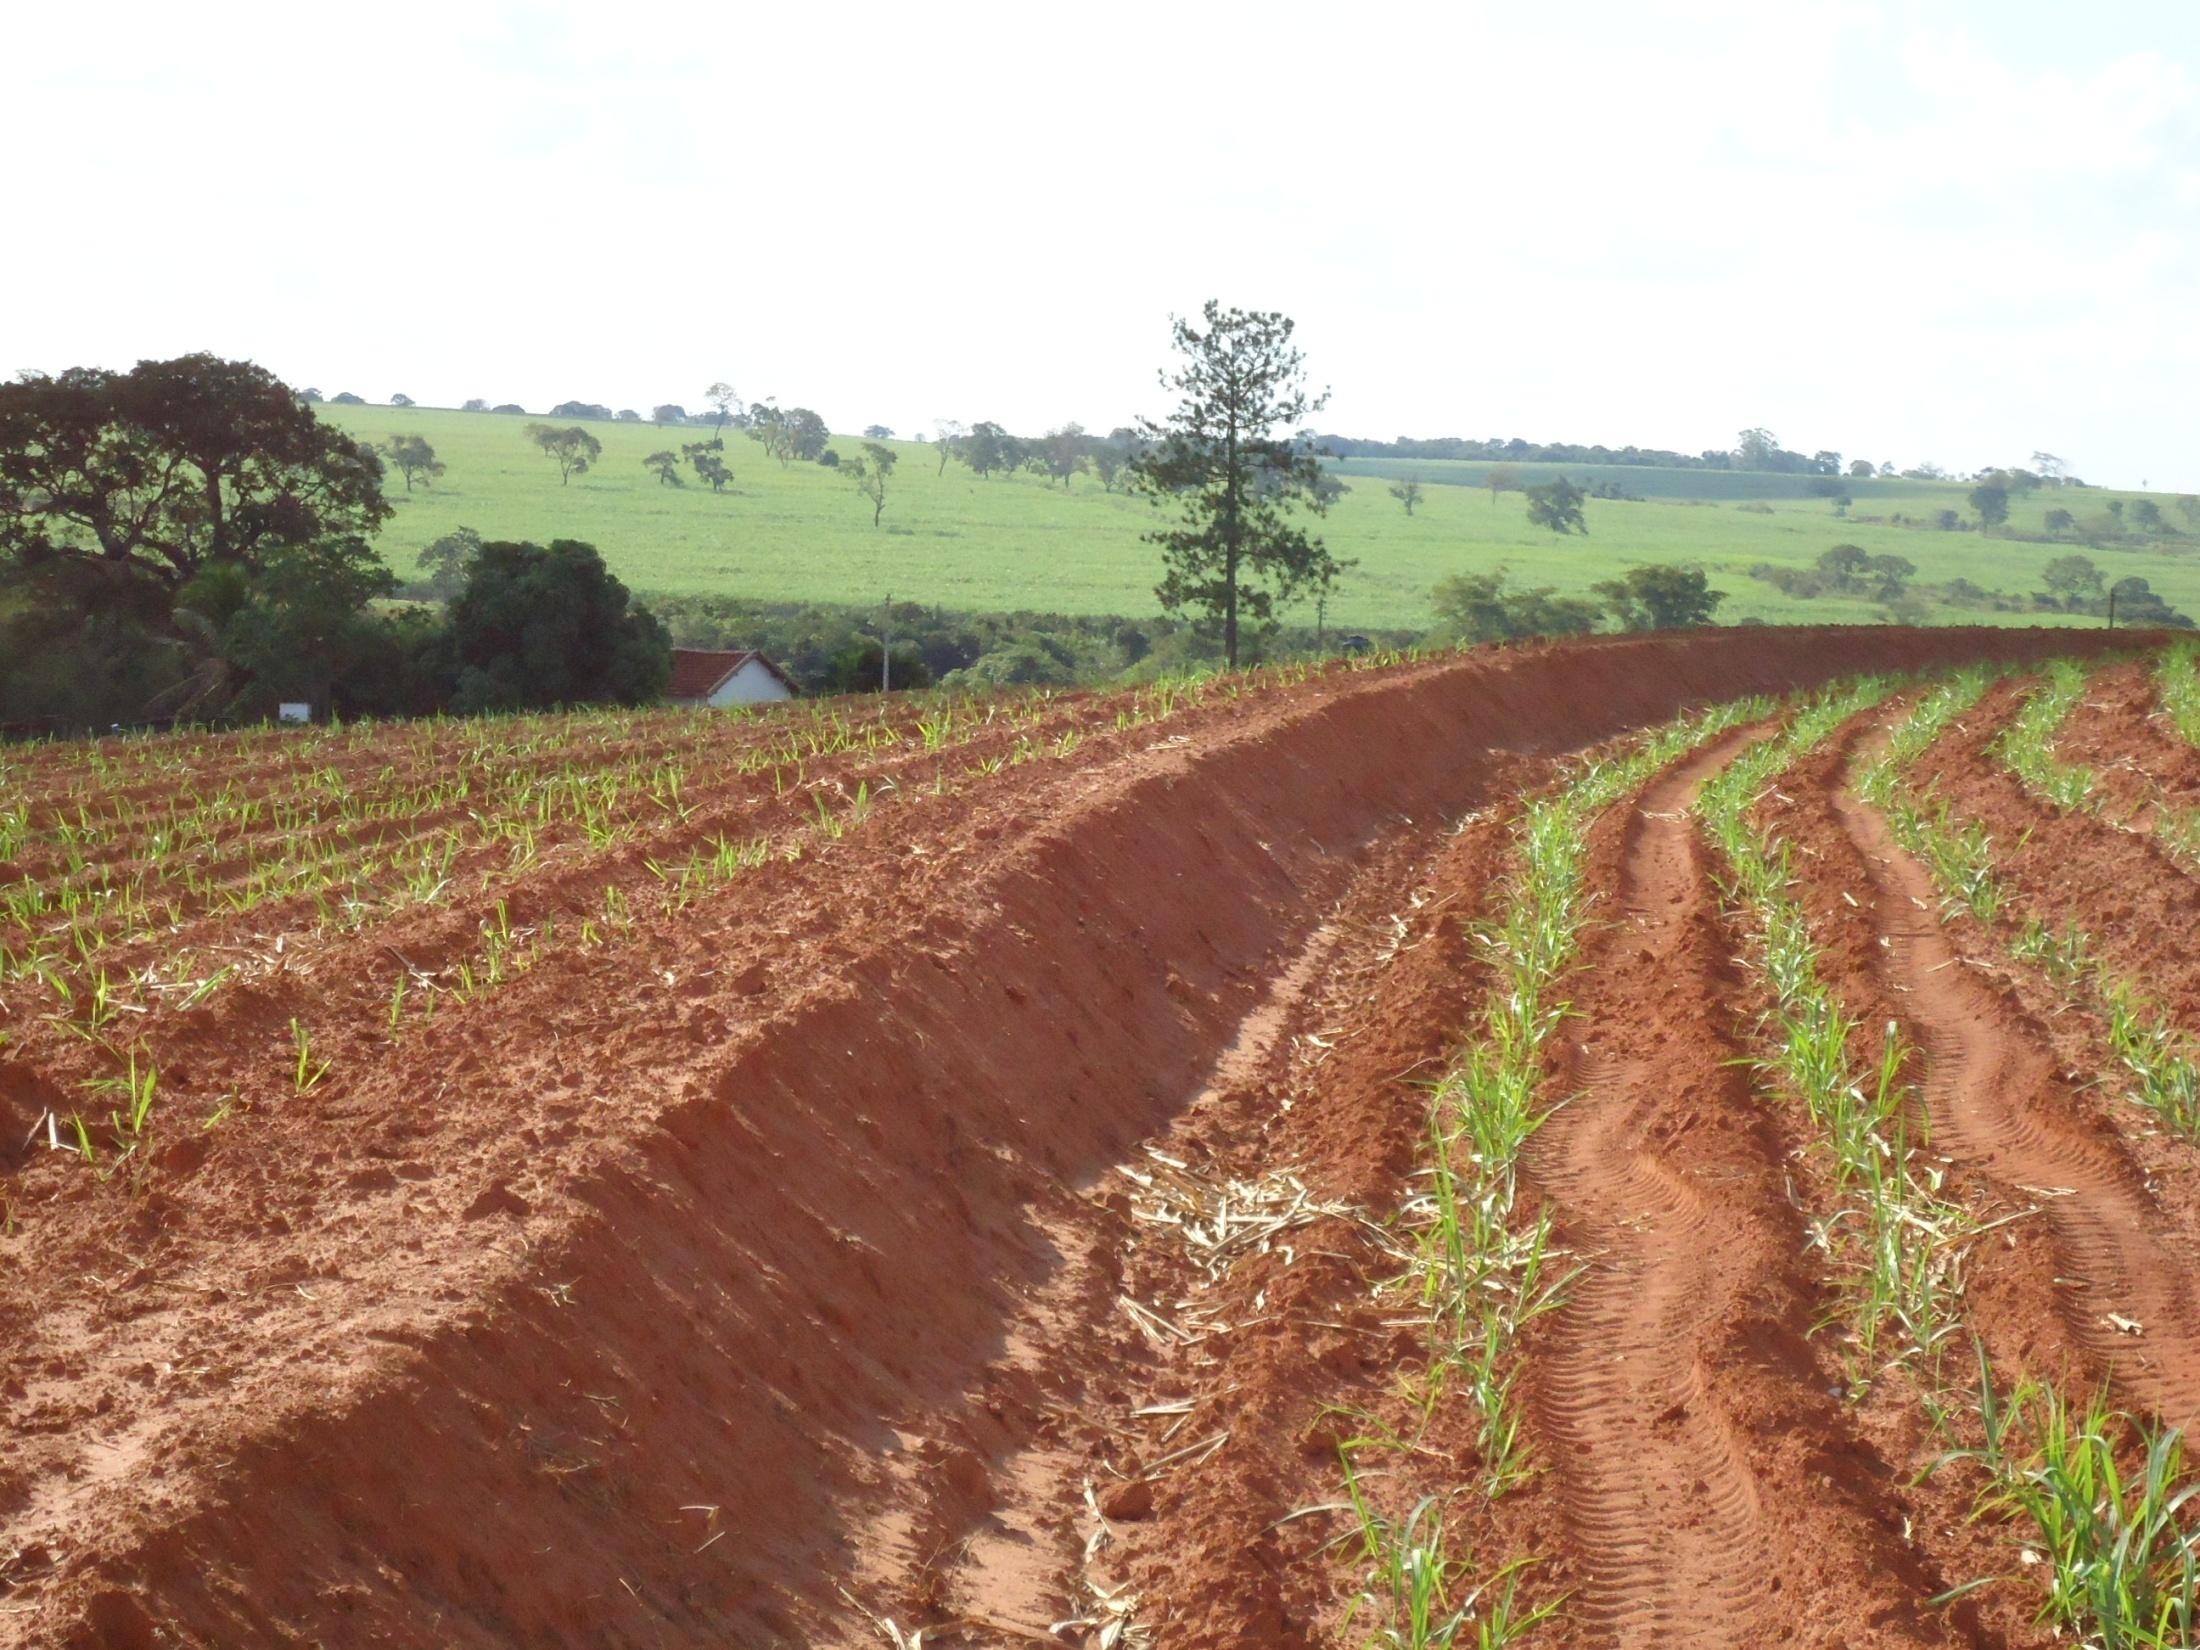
point(1658, 597)
point(1556, 504)
point(119, 489)
point(540, 627)
point(1226, 460)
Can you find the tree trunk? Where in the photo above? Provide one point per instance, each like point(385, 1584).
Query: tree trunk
point(1229, 609)
point(1230, 545)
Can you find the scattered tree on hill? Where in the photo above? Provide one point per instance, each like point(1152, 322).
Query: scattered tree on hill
point(1065, 451)
point(1991, 500)
point(344, 398)
point(829, 458)
point(985, 449)
point(788, 433)
point(951, 432)
point(871, 471)
point(668, 412)
point(766, 427)
point(1557, 505)
point(806, 433)
point(1844, 565)
point(2146, 515)
point(1947, 521)
point(1235, 482)
point(2060, 521)
point(1891, 577)
point(2051, 469)
point(626, 415)
point(2134, 601)
point(2072, 581)
point(572, 449)
point(1112, 454)
point(510, 407)
point(412, 457)
point(582, 409)
point(2116, 509)
point(401, 400)
point(311, 397)
point(1861, 469)
point(475, 403)
point(1660, 598)
point(1407, 493)
point(1477, 607)
point(877, 432)
point(666, 465)
point(449, 561)
point(540, 628)
point(1501, 478)
point(709, 461)
point(724, 405)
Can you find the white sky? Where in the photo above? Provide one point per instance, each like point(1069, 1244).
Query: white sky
point(1956, 231)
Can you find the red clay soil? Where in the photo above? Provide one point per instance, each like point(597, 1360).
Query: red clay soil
point(2121, 732)
point(681, 1283)
point(2115, 881)
point(2094, 1278)
point(1694, 1426)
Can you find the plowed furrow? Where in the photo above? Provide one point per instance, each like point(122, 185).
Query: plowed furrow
point(1682, 1347)
point(1999, 1106)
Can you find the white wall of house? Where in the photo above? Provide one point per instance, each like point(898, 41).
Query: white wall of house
point(752, 684)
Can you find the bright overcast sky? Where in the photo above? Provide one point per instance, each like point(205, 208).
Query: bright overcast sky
point(1955, 231)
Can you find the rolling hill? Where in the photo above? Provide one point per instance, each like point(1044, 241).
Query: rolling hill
point(800, 533)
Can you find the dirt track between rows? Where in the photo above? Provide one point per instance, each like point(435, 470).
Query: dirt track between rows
point(1692, 1420)
point(681, 1290)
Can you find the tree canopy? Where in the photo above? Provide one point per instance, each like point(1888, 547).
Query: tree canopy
point(119, 489)
point(1660, 598)
point(1556, 504)
point(572, 449)
point(1233, 480)
point(537, 628)
point(413, 458)
point(1478, 607)
point(871, 471)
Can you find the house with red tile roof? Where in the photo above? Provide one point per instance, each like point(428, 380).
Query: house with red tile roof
point(703, 676)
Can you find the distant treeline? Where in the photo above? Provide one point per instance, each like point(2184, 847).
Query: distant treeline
point(1762, 453)
point(830, 648)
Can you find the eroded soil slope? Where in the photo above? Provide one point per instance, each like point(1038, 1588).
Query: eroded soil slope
point(768, 1264)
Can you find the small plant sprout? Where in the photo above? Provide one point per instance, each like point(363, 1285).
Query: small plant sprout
point(306, 1072)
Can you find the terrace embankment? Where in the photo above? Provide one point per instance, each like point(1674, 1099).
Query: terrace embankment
point(669, 1289)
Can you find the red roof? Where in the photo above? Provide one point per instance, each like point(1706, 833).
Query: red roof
point(697, 673)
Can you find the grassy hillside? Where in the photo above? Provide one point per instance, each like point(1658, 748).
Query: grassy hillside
point(800, 533)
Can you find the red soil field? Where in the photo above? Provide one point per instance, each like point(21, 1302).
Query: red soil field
point(847, 1240)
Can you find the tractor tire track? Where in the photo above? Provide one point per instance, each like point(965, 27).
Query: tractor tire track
point(1999, 1106)
point(1681, 1363)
